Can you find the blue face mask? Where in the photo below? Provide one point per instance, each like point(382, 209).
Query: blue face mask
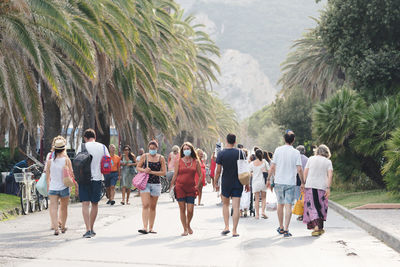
point(187, 153)
point(153, 152)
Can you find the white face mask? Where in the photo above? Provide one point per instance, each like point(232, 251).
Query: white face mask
point(187, 152)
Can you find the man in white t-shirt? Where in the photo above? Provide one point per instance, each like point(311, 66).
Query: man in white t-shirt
point(91, 193)
point(286, 163)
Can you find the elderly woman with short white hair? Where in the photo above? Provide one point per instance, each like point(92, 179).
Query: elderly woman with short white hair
point(318, 175)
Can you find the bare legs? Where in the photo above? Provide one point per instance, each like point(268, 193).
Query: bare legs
point(287, 208)
point(263, 203)
point(112, 192)
point(225, 211)
point(123, 195)
point(236, 213)
point(54, 211)
point(63, 211)
point(186, 214)
point(149, 204)
point(89, 217)
point(55, 220)
point(199, 196)
point(257, 204)
point(152, 217)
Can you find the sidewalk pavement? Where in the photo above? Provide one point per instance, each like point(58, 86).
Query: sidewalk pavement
point(381, 223)
point(117, 242)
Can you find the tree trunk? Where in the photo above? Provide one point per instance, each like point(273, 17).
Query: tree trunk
point(102, 127)
point(52, 118)
point(89, 115)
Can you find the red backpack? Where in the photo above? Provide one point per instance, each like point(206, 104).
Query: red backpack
point(105, 163)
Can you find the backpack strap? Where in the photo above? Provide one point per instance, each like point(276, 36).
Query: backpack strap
point(83, 148)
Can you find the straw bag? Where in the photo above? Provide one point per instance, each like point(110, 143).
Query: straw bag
point(243, 169)
point(68, 179)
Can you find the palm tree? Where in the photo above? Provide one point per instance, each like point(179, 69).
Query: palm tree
point(335, 120)
point(337, 123)
point(391, 169)
point(312, 68)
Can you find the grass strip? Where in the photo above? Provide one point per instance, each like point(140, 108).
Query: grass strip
point(355, 199)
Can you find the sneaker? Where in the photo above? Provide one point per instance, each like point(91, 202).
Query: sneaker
point(88, 234)
point(108, 202)
point(92, 233)
point(112, 202)
point(286, 234)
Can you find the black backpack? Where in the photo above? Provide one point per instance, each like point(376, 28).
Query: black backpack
point(81, 166)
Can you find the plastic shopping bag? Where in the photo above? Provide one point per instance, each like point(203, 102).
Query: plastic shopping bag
point(41, 185)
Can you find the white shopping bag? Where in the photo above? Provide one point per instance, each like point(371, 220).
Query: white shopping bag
point(243, 168)
point(271, 201)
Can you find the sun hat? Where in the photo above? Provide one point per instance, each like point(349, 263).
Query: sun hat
point(59, 144)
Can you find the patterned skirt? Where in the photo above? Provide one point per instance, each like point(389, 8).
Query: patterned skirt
point(315, 208)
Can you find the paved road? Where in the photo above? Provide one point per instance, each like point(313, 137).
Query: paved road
point(27, 241)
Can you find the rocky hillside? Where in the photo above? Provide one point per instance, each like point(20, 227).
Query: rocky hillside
point(254, 37)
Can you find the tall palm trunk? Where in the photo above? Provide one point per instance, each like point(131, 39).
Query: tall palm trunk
point(102, 126)
point(52, 118)
point(88, 115)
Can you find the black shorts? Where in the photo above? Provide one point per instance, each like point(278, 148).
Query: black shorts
point(231, 192)
point(90, 192)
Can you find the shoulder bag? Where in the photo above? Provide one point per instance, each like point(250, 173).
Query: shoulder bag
point(243, 169)
point(140, 180)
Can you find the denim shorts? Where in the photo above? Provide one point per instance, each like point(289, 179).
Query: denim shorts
point(90, 192)
point(60, 193)
point(111, 179)
point(153, 189)
point(285, 193)
point(188, 200)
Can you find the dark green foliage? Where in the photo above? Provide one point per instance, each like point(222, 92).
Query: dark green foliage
point(364, 38)
point(392, 167)
point(7, 160)
point(294, 112)
point(261, 118)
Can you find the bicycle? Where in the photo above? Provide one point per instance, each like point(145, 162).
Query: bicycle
point(29, 196)
point(165, 184)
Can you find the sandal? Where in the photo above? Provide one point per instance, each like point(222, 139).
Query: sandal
point(225, 232)
point(235, 235)
point(280, 231)
point(56, 232)
point(63, 230)
point(286, 234)
point(122, 203)
point(152, 232)
point(264, 216)
point(143, 231)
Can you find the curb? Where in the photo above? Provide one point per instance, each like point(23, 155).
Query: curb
point(384, 236)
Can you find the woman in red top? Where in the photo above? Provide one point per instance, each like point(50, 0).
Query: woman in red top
point(212, 169)
point(185, 186)
point(200, 154)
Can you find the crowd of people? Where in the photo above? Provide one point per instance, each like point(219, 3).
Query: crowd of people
point(287, 173)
